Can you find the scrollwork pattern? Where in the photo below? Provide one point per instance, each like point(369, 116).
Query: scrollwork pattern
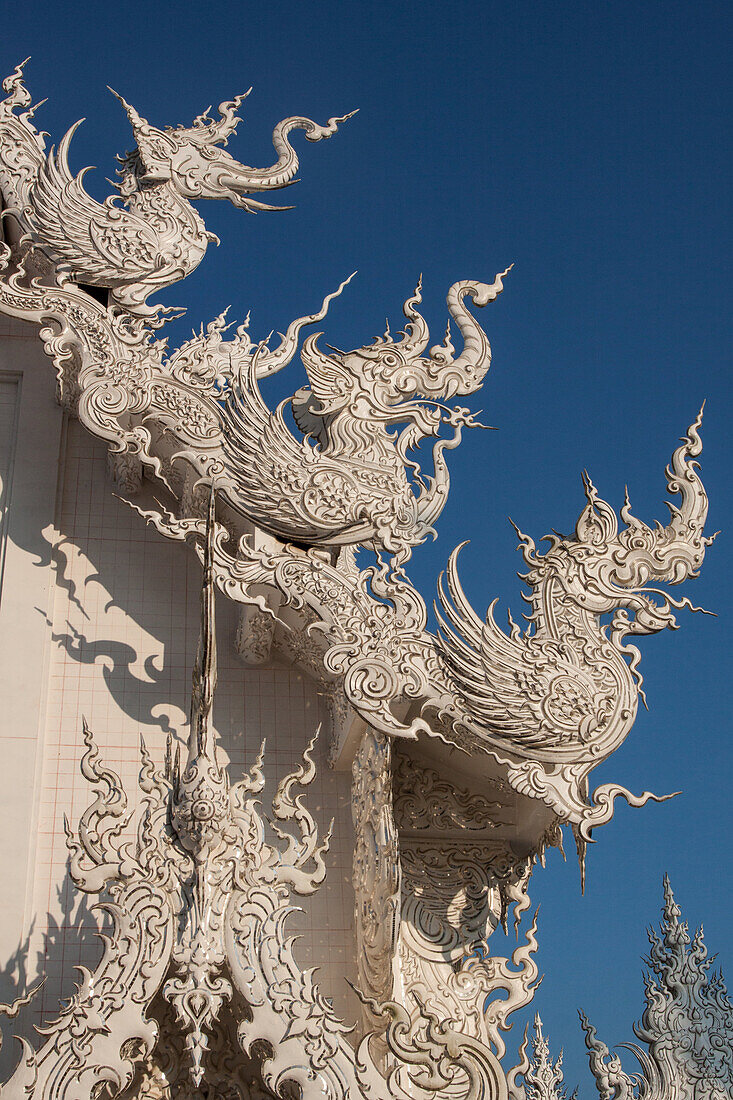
point(199, 901)
point(424, 800)
point(199, 897)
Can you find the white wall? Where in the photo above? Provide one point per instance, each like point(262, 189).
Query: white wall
point(99, 617)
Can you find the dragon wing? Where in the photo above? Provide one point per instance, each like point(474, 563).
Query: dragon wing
point(529, 695)
point(488, 667)
point(276, 477)
point(330, 383)
point(102, 244)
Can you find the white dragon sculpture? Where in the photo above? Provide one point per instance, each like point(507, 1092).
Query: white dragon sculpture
point(346, 482)
point(535, 711)
point(155, 237)
point(562, 695)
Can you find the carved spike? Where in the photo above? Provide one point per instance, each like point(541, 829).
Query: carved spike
point(591, 493)
point(279, 357)
point(253, 781)
point(581, 845)
point(205, 669)
point(136, 120)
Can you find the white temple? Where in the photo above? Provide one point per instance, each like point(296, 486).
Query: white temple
point(409, 781)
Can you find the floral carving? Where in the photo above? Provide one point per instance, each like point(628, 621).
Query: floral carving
point(377, 869)
point(424, 800)
point(255, 632)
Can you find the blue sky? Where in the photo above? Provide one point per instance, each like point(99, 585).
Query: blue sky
point(589, 144)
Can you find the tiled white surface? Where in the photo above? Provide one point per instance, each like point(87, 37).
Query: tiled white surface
point(30, 442)
point(123, 638)
point(9, 408)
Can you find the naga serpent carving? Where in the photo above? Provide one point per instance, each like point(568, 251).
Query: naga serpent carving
point(347, 482)
point(548, 704)
point(295, 492)
point(155, 237)
point(566, 690)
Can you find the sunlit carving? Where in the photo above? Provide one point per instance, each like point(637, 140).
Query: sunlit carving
point(314, 508)
point(550, 704)
point(346, 482)
point(565, 692)
point(155, 236)
point(542, 1078)
point(687, 1025)
point(199, 901)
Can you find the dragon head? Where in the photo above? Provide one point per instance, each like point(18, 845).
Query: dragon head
point(386, 380)
point(604, 569)
point(193, 160)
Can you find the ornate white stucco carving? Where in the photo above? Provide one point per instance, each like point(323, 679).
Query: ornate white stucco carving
point(377, 875)
point(427, 800)
point(542, 1078)
point(686, 1030)
point(255, 633)
point(346, 481)
point(199, 901)
point(547, 704)
point(687, 1025)
point(314, 527)
point(148, 235)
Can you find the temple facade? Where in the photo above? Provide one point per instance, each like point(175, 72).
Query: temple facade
point(100, 621)
point(228, 723)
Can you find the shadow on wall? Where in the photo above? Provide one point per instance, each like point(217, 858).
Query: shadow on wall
point(125, 600)
point(139, 698)
point(124, 632)
point(127, 606)
point(71, 940)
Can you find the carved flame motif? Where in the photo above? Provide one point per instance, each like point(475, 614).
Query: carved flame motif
point(543, 1078)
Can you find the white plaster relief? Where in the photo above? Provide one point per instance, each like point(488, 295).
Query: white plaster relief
point(202, 897)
